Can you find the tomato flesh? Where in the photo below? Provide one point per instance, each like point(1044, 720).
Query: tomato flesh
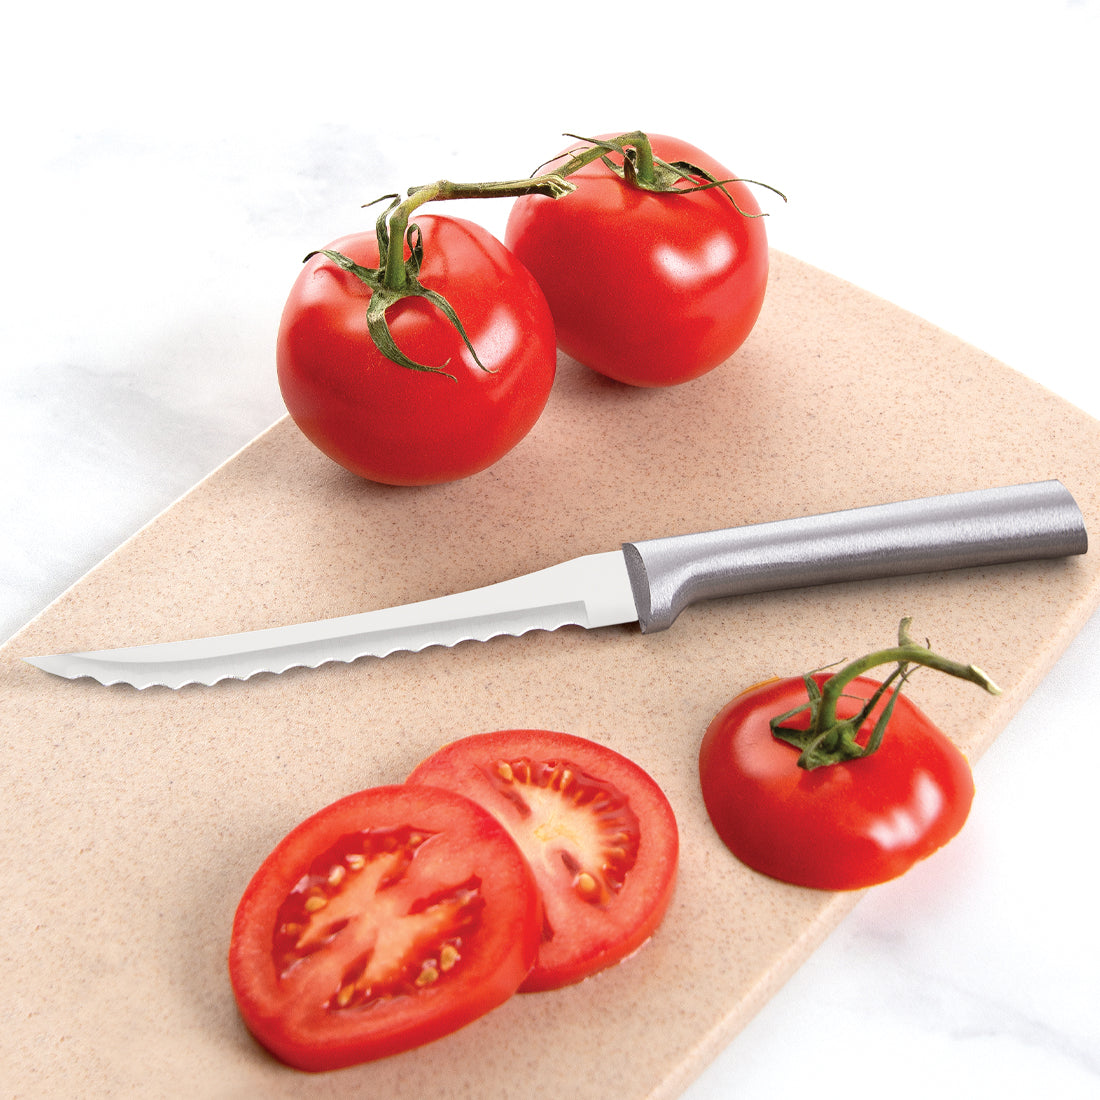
point(387, 920)
point(392, 424)
point(839, 827)
point(595, 828)
point(397, 946)
point(647, 288)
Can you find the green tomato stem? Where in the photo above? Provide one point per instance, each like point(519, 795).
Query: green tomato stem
point(642, 169)
point(906, 652)
point(643, 165)
point(831, 740)
point(395, 276)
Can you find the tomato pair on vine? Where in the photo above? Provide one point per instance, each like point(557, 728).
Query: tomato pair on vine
point(522, 860)
point(425, 351)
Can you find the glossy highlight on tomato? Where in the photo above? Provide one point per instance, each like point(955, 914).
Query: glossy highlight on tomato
point(386, 920)
point(843, 826)
point(597, 830)
point(647, 288)
point(392, 424)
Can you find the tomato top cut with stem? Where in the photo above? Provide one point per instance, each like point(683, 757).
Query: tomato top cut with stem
point(842, 826)
point(648, 288)
point(598, 832)
point(388, 919)
point(402, 426)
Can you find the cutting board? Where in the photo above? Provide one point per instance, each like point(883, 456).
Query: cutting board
point(135, 819)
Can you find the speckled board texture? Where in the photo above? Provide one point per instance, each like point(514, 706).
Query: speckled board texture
point(135, 819)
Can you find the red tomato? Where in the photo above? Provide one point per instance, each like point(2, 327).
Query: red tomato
point(839, 827)
point(400, 426)
point(650, 289)
point(598, 832)
point(386, 920)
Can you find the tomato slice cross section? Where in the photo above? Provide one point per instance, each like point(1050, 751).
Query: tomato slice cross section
point(386, 920)
point(596, 829)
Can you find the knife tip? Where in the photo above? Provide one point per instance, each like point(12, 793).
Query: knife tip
point(69, 666)
point(46, 662)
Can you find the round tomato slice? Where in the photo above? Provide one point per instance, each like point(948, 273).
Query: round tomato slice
point(839, 827)
point(386, 920)
point(597, 830)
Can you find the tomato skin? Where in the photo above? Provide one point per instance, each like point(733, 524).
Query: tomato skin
point(586, 937)
point(391, 424)
point(283, 1011)
point(839, 827)
point(649, 289)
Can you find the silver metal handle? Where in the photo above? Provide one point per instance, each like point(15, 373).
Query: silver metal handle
point(954, 531)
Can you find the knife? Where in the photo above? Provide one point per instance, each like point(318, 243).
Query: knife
point(648, 583)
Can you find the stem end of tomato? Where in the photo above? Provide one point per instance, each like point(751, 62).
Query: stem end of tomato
point(827, 739)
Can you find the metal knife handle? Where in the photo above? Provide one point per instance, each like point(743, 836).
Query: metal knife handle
point(954, 531)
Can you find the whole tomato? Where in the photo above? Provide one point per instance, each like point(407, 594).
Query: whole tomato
point(393, 424)
point(648, 288)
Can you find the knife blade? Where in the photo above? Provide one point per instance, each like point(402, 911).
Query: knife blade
point(646, 582)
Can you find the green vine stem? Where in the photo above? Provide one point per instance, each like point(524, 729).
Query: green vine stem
point(550, 184)
point(641, 168)
point(829, 739)
point(396, 278)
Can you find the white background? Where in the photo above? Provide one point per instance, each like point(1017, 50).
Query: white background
point(167, 168)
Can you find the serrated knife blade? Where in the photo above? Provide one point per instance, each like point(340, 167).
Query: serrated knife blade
point(648, 583)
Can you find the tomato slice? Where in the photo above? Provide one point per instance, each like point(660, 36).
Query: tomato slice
point(597, 830)
point(840, 827)
point(386, 920)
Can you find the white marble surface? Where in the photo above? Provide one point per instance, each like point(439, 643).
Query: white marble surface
point(166, 168)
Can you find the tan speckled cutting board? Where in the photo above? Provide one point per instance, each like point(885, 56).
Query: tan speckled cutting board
point(136, 818)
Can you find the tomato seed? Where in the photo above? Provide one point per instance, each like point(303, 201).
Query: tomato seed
point(586, 885)
point(427, 975)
